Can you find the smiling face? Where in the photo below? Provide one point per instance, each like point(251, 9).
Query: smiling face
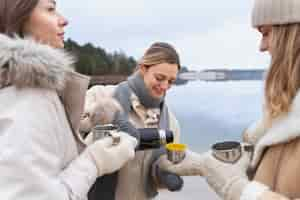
point(159, 78)
point(46, 25)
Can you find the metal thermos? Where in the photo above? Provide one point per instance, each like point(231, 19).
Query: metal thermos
point(152, 138)
point(148, 138)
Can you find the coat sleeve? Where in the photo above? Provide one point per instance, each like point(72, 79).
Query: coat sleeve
point(38, 159)
point(273, 196)
point(258, 191)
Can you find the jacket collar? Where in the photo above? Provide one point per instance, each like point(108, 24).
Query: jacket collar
point(73, 97)
point(282, 130)
point(25, 63)
point(149, 116)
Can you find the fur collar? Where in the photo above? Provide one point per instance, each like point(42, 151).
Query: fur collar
point(283, 129)
point(25, 63)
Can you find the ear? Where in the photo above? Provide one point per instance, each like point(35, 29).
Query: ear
point(143, 69)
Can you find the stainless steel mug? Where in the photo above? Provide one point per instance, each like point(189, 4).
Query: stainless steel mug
point(230, 151)
point(175, 152)
point(106, 130)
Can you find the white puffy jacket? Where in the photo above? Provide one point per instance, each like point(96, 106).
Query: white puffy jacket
point(40, 155)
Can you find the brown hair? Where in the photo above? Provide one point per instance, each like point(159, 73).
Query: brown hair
point(13, 15)
point(158, 53)
point(283, 79)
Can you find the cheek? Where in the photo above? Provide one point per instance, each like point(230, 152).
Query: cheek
point(151, 84)
point(43, 29)
point(154, 84)
point(48, 29)
point(148, 81)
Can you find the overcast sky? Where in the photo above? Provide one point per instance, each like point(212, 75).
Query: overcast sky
point(206, 33)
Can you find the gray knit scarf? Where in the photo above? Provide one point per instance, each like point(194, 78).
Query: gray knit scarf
point(136, 84)
point(138, 87)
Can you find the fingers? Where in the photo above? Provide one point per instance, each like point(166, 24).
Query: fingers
point(164, 163)
point(106, 142)
point(128, 140)
point(126, 147)
point(191, 165)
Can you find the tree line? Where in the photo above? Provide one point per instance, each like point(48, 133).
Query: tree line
point(93, 60)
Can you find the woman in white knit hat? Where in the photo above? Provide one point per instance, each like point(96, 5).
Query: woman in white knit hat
point(275, 162)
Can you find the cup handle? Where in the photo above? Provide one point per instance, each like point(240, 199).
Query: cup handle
point(248, 147)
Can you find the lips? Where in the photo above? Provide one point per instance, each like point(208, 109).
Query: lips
point(158, 91)
point(61, 35)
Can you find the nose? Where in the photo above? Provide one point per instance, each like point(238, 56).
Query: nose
point(165, 85)
point(263, 46)
point(63, 21)
point(264, 43)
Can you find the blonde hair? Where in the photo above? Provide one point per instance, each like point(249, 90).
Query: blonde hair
point(158, 53)
point(283, 79)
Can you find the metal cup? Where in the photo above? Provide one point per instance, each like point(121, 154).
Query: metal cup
point(106, 130)
point(175, 152)
point(230, 151)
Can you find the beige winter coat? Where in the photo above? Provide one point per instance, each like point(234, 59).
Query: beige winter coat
point(131, 176)
point(277, 154)
point(41, 100)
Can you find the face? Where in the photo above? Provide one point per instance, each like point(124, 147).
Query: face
point(265, 44)
point(159, 78)
point(46, 25)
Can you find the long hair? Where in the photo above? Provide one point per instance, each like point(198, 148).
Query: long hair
point(283, 79)
point(13, 15)
point(158, 53)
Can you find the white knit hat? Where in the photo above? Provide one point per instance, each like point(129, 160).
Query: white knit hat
point(275, 12)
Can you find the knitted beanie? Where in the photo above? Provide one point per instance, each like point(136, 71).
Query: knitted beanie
point(275, 12)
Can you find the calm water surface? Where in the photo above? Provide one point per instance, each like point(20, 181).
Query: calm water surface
point(215, 111)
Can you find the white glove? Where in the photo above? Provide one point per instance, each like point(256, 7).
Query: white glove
point(110, 157)
point(189, 166)
point(230, 180)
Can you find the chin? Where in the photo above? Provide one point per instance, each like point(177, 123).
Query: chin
point(157, 96)
point(60, 46)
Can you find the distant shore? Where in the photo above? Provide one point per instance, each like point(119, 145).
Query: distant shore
point(107, 79)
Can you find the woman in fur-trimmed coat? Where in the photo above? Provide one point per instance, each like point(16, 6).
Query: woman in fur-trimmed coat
point(41, 100)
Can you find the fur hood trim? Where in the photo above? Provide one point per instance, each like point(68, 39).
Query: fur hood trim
point(282, 130)
point(25, 63)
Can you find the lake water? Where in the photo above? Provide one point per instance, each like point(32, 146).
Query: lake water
point(215, 111)
point(209, 112)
